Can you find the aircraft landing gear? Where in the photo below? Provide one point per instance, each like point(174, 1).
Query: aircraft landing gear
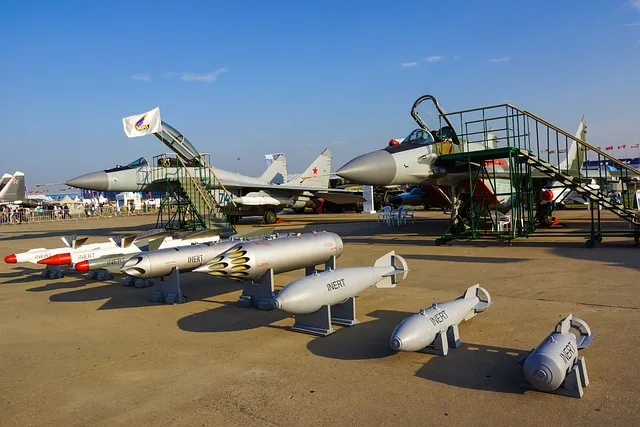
point(270, 217)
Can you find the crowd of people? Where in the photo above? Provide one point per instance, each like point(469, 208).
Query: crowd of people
point(59, 212)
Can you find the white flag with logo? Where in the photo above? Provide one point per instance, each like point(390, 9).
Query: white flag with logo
point(143, 124)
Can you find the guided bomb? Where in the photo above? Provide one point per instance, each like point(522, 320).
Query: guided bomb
point(555, 365)
point(252, 259)
point(310, 293)
point(438, 325)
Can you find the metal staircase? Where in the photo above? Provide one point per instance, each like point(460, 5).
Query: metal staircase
point(533, 149)
point(191, 184)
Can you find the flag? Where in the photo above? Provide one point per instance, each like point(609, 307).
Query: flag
point(610, 147)
point(552, 151)
point(635, 146)
point(622, 146)
point(143, 124)
point(564, 150)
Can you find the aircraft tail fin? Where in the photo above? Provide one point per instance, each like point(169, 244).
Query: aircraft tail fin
point(396, 273)
point(14, 189)
point(575, 152)
point(276, 173)
point(318, 172)
point(4, 180)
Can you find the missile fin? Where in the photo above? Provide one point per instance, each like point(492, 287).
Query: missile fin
point(390, 279)
point(79, 242)
point(126, 241)
point(155, 243)
point(258, 231)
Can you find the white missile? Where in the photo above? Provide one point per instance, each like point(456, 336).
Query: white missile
point(310, 293)
point(438, 325)
point(38, 254)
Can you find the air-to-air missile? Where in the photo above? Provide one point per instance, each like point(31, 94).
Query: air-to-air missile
point(554, 366)
point(320, 299)
point(130, 245)
point(438, 325)
point(308, 294)
point(37, 254)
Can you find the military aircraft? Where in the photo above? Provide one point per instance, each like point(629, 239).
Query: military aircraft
point(417, 161)
point(13, 191)
point(251, 196)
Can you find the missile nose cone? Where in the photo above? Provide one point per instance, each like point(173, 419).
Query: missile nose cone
point(96, 181)
point(82, 266)
point(396, 343)
point(375, 168)
point(59, 259)
point(138, 266)
point(10, 259)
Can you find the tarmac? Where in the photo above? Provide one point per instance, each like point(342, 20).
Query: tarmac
point(77, 352)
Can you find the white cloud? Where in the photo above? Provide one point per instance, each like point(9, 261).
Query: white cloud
point(193, 77)
point(142, 76)
point(635, 4)
point(502, 59)
point(632, 24)
point(455, 57)
point(433, 58)
point(408, 64)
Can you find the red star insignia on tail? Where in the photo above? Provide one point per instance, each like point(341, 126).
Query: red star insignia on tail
point(315, 170)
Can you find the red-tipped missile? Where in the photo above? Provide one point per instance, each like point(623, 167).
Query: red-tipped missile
point(59, 259)
point(82, 266)
point(10, 259)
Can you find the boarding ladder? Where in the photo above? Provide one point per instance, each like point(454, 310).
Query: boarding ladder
point(538, 148)
point(196, 182)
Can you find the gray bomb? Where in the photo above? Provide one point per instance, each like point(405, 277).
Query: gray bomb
point(250, 260)
point(308, 294)
point(160, 262)
point(547, 366)
point(439, 323)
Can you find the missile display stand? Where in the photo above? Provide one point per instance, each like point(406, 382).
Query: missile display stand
point(132, 282)
point(52, 272)
point(168, 289)
point(443, 341)
point(100, 275)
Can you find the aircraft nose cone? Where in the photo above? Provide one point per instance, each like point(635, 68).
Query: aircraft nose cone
point(376, 168)
point(96, 181)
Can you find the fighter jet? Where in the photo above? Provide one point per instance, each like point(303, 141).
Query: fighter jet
point(417, 161)
point(13, 191)
point(251, 196)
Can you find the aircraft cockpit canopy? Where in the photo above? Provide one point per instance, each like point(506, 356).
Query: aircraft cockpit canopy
point(419, 136)
point(139, 162)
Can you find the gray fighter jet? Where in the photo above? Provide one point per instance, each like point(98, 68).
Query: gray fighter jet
point(13, 191)
point(251, 196)
point(417, 161)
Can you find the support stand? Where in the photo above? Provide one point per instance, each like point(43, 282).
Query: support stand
point(319, 323)
point(52, 272)
point(101, 275)
point(443, 342)
point(131, 281)
point(169, 291)
point(259, 293)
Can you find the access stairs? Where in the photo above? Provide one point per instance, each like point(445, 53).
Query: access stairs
point(533, 152)
point(190, 184)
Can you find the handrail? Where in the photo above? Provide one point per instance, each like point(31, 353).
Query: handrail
point(555, 128)
point(195, 183)
point(228, 193)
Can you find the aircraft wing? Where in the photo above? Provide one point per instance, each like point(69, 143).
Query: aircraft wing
point(335, 195)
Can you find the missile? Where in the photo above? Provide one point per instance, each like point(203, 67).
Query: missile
point(37, 254)
point(555, 363)
point(252, 259)
point(439, 323)
point(111, 263)
point(310, 293)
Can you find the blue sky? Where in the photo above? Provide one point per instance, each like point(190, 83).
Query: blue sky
point(245, 78)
